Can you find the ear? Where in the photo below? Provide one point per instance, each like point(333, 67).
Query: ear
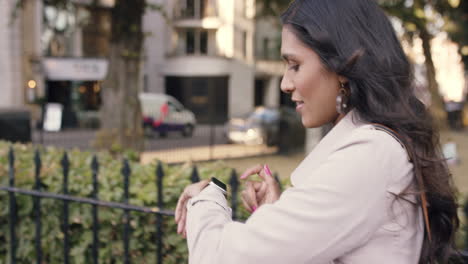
point(342, 79)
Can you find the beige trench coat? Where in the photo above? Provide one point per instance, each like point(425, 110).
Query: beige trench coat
point(341, 208)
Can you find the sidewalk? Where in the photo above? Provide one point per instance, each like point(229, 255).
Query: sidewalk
point(205, 153)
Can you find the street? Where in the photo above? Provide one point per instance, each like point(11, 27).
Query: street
point(82, 139)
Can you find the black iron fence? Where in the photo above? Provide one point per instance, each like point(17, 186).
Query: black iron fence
point(158, 211)
point(38, 194)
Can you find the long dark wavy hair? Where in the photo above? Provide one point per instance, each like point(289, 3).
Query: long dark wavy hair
point(355, 39)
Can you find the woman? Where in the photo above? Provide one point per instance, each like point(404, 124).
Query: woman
point(361, 195)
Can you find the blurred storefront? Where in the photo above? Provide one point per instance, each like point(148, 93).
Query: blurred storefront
point(75, 83)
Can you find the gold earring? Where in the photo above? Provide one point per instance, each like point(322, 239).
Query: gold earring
point(342, 100)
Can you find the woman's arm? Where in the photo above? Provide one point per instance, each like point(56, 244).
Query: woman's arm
point(339, 208)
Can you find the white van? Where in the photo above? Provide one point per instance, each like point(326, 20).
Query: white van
point(162, 113)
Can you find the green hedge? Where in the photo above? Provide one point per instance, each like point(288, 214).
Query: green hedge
point(142, 192)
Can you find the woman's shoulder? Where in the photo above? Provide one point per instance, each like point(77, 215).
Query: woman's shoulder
point(376, 146)
point(385, 150)
point(378, 137)
point(362, 148)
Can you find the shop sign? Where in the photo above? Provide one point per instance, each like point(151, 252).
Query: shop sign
point(53, 117)
point(102, 3)
point(74, 69)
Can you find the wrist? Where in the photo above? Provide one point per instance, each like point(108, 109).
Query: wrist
point(219, 185)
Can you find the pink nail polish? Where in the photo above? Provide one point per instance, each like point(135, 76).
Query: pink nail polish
point(267, 170)
point(254, 208)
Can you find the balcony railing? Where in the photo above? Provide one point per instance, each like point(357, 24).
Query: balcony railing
point(195, 9)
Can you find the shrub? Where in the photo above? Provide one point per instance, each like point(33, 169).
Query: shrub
point(143, 192)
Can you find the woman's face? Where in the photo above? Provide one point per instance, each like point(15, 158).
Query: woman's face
point(312, 87)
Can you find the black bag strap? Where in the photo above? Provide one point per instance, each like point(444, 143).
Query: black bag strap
point(417, 173)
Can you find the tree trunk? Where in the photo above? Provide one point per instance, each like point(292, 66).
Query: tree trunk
point(121, 120)
point(437, 103)
point(121, 117)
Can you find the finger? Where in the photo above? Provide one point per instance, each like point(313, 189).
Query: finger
point(246, 205)
point(266, 175)
point(249, 203)
point(181, 224)
point(262, 191)
point(251, 171)
point(250, 195)
point(258, 185)
point(180, 206)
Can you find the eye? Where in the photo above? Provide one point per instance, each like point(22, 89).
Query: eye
point(294, 67)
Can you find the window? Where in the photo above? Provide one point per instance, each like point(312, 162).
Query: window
point(266, 48)
point(196, 41)
point(190, 8)
point(202, 7)
point(190, 41)
point(197, 8)
point(145, 83)
point(244, 44)
point(241, 43)
point(243, 8)
point(174, 107)
point(204, 42)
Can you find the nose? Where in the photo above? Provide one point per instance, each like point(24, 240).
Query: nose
point(286, 84)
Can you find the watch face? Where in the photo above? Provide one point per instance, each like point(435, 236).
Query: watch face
point(219, 183)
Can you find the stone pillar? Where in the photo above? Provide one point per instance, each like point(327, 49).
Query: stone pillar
point(10, 52)
point(272, 92)
point(313, 137)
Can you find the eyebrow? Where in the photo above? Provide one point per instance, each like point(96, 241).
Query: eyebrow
point(288, 57)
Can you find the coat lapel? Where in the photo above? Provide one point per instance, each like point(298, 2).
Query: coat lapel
point(325, 147)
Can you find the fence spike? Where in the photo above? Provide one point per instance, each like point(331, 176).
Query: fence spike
point(38, 163)
point(11, 157)
point(12, 210)
point(195, 177)
point(37, 207)
point(65, 162)
point(234, 182)
point(126, 171)
point(65, 213)
point(94, 164)
point(159, 170)
point(95, 195)
point(11, 163)
point(159, 220)
point(126, 233)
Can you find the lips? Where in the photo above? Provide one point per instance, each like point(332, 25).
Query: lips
point(299, 105)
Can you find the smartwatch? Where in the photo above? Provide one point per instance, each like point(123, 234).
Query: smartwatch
point(219, 184)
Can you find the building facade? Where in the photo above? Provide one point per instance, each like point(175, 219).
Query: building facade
point(212, 55)
point(209, 57)
point(17, 52)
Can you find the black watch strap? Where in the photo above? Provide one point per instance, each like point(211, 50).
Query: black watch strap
point(219, 184)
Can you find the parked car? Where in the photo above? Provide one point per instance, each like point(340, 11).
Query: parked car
point(266, 126)
point(162, 113)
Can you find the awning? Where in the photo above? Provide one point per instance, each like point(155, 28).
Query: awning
point(75, 69)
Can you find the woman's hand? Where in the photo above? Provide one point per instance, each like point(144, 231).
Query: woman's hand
point(181, 209)
point(255, 194)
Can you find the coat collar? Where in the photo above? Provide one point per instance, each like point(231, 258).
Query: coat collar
point(326, 146)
